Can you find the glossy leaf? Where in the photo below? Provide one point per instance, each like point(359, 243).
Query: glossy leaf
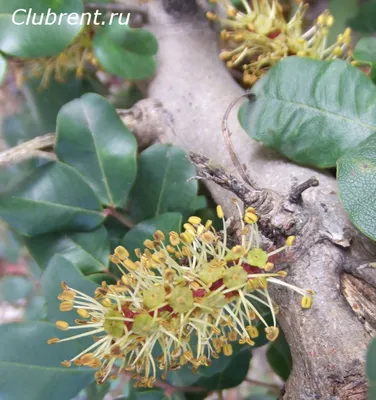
point(30, 37)
point(356, 174)
point(365, 50)
point(13, 288)
point(136, 236)
point(89, 251)
point(92, 138)
point(41, 106)
point(233, 375)
point(60, 269)
point(34, 310)
point(3, 68)
point(53, 198)
point(97, 392)
point(330, 108)
point(125, 51)
point(25, 354)
point(371, 370)
point(365, 19)
point(161, 185)
point(279, 357)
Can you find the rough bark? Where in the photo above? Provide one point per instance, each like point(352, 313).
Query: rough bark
point(328, 342)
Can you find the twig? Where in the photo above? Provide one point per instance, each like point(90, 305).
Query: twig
point(125, 220)
point(120, 8)
point(29, 149)
point(207, 169)
point(226, 137)
point(296, 192)
point(220, 394)
point(271, 386)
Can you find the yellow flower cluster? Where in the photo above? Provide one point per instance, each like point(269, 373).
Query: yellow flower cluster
point(259, 36)
point(76, 57)
point(198, 285)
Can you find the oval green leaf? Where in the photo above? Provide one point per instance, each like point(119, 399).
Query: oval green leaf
point(60, 269)
point(89, 251)
point(54, 197)
point(92, 138)
point(329, 108)
point(21, 37)
point(25, 354)
point(125, 51)
point(135, 238)
point(279, 357)
point(356, 176)
point(161, 185)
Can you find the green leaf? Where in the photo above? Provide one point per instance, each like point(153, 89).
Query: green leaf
point(365, 20)
point(60, 269)
point(41, 107)
point(356, 176)
point(97, 392)
point(136, 236)
point(53, 198)
point(89, 251)
point(341, 10)
point(13, 288)
point(161, 183)
point(3, 68)
point(233, 375)
point(365, 50)
point(279, 357)
point(98, 278)
point(21, 37)
point(35, 309)
point(25, 354)
point(125, 51)
point(371, 369)
point(92, 138)
point(10, 245)
point(365, 53)
point(330, 108)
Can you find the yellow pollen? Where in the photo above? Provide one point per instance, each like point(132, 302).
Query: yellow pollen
point(194, 220)
point(53, 340)
point(220, 213)
point(62, 325)
point(121, 253)
point(306, 302)
point(66, 306)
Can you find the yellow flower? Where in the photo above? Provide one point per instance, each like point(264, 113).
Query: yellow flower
point(204, 288)
point(258, 36)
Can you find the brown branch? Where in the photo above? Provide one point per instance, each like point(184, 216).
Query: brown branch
point(29, 149)
point(227, 139)
point(296, 192)
point(271, 386)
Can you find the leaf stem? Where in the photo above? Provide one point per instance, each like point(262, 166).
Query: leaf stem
point(124, 219)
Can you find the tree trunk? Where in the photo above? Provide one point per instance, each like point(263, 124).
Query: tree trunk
point(329, 341)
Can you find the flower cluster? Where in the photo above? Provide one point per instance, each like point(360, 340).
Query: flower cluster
point(76, 57)
point(259, 36)
point(193, 285)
